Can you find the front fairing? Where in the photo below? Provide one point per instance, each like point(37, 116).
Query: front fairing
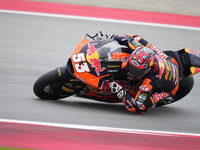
point(93, 60)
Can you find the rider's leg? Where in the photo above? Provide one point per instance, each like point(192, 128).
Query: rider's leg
point(190, 61)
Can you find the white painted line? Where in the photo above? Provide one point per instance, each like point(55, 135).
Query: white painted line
point(101, 20)
point(98, 128)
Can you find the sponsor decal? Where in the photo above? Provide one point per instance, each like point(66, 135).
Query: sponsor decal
point(159, 52)
point(142, 97)
point(59, 72)
point(144, 88)
point(171, 71)
point(67, 90)
point(74, 80)
point(160, 96)
point(112, 70)
point(129, 103)
point(161, 68)
point(106, 41)
point(93, 58)
point(99, 91)
point(113, 66)
point(153, 48)
point(174, 72)
point(77, 86)
point(70, 84)
point(122, 35)
point(81, 79)
point(135, 43)
point(115, 59)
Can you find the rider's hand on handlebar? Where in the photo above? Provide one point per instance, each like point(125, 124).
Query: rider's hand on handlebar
point(116, 88)
point(100, 35)
point(124, 39)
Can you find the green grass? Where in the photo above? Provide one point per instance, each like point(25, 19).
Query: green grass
point(4, 148)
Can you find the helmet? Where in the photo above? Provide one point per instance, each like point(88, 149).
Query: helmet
point(140, 62)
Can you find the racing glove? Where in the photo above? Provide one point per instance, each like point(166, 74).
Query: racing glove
point(100, 35)
point(116, 88)
point(130, 103)
point(127, 40)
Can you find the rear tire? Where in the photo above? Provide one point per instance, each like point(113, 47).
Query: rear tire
point(49, 79)
point(185, 86)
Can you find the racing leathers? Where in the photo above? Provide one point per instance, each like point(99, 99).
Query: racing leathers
point(161, 82)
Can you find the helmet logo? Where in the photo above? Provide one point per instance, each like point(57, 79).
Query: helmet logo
point(141, 58)
point(135, 62)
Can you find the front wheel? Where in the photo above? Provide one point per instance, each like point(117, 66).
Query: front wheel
point(49, 87)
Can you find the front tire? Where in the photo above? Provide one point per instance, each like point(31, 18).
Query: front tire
point(49, 87)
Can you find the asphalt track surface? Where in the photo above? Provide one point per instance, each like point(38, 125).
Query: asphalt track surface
point(32, 45)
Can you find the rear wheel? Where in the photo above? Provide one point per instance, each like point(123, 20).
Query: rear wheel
point(185, 86)
point(49, 87)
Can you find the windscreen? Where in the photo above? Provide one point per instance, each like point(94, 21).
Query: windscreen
point(109, 51)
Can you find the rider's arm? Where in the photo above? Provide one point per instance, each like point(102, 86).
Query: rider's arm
point(142, 100)
point(144, 42)
point(132, 42)
point(149, 45)
point(128, 41)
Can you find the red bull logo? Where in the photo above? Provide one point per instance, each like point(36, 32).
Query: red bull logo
point(162, 67)
point(93, 58)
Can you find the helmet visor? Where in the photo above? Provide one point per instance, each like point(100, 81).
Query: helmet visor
point(134, 72)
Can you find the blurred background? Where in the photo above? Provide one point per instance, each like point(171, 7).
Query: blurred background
point(184, 7)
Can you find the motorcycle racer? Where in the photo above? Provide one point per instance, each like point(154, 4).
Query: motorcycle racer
point(158, 74)
point(122, 68)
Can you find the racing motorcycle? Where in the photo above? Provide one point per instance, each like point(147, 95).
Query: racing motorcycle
point(94, 63)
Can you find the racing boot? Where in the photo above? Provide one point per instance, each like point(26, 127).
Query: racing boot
point(190, 61)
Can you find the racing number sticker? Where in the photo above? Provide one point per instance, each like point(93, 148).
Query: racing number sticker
point(80, 68)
